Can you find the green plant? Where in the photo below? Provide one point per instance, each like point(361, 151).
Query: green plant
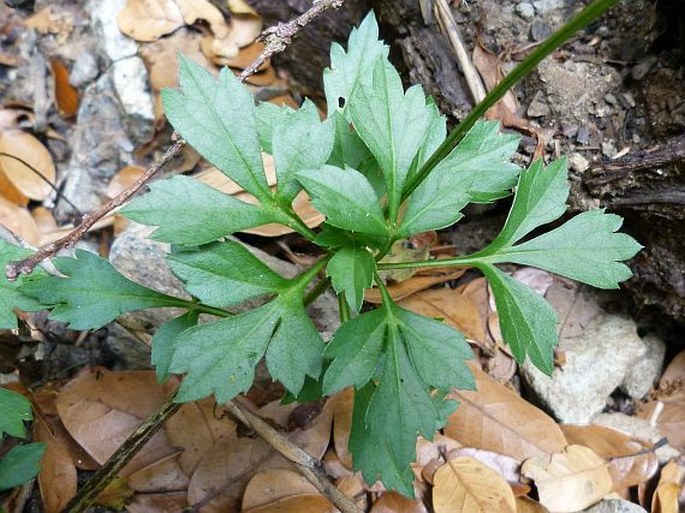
point(371, 169)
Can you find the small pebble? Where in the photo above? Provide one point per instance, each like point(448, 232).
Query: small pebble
point(583, 136)
point(538, 106)
point(543, 6)
point(609, 149)
point(84, 70)
point(540, 31)
point(578, 162)
point(525, 11)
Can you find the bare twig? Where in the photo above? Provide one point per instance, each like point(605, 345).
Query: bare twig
point(276, 39)
point(308, 466)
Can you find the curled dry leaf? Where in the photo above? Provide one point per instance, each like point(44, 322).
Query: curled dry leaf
point(505, 466)
point(496, 419)
point(244, 30)
point(241, 7)
point(528, 505)
point(467, 485)
point(176, 502)
point(416, 283)
point(11, 193)
point(669, 414)
point(194, 10)
point(571, 480)
point(57, 477)
point(392, 502)
point(666, 495)
point(18, 220)
point(355, 488)
point(163, 476)
point(274, 484)
point(123, 179)
point(29, 149)
point(342, 404)
point(631, 461)
point(673, 377)
point(148, 20)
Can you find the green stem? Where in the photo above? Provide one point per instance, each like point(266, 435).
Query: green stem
point(466, 261)
point(316, 291)
point(580, 21)
point(343, 308)
point(308, 275)
point(202, 308)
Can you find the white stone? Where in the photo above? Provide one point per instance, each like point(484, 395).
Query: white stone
point(543, 6)
point(597, 362)
point(644, 374)
point(525, 10)
point(578, 162)
point(130, 80)
point(615, 506)
point(104, 15)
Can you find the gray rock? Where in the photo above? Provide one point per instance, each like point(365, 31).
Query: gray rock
point(615, 506)
point(539, 30)
point(104, 19)
point(597, 362)
point(84, 70)
point(578, 162)
point(639, 428)
point(543, 6)
point(525, 10)
point(645, 373)
point(538, 106)
point(130, 80)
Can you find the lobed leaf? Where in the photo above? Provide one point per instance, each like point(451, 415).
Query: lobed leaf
point(225, 273)
point(391, 123)
point(528, 323)
point(186, 211)
point(165, 341)
point(93, 292)
point(10, 295)
point(585, 248)
point(218, 119)
point(20, 464)
point(478, 170)
point(351, 271)
point(346, 198)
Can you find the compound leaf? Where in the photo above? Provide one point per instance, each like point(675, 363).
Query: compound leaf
point(165, 340)
point(189, 212)
point(351, 271)
point(10, 296)
point(528, 323)
point(477, 170)
point(391, 123)
point(348, 68)
point(20, 464)
point(14, 410)
point(585, 248)
point(346, 198)
point(225, 274)
point(218, 119)
point(93, 293)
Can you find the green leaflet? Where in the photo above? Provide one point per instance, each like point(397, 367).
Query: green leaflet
point(186, 211)
point(540, 199)
point(218, 119)
point(478, 170)
point(219, 358)
point(391, 123)
point(93, 293)
point(15, 409)
point(585, 248)
point(349, 68)
point(527, 321)
point(347, 200)
point(166, 339)
point(225, 274)
point(351, 271)
point(20, 464)
point(10, 296)
point(410, 356)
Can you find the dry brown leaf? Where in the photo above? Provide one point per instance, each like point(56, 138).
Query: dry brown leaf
point(57, 478)
point(115, 495)
point(66, 95)
point(342, 404)
point(477, 292)
point(275, 484)
point(496, 419)
point(44, 220)
point(266, 77)
point(148, 20)
point(123, 179)
point(666, 495)
point(163, 476)
point(449, 305)
point(195, 428)
point(158, 503)
point(626, 466)
point(245, 57)
point(528, 505)
point(392, 502)
point(355, 488)
point(465, 484)
point(18, 220)
point(240, 7)
point(406, 288)
point(674, 375)
point(297, 504)
point(505, 466)
point(670, 418)
point(316, 437)
point(100, 409)
point(193, 10)
point(26, 147)
point(571, 480)
point(11, 193)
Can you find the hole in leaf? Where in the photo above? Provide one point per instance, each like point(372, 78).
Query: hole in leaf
point(341, 102)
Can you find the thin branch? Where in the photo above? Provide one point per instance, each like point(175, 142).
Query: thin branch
point(277, 39)
point(307, 465)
